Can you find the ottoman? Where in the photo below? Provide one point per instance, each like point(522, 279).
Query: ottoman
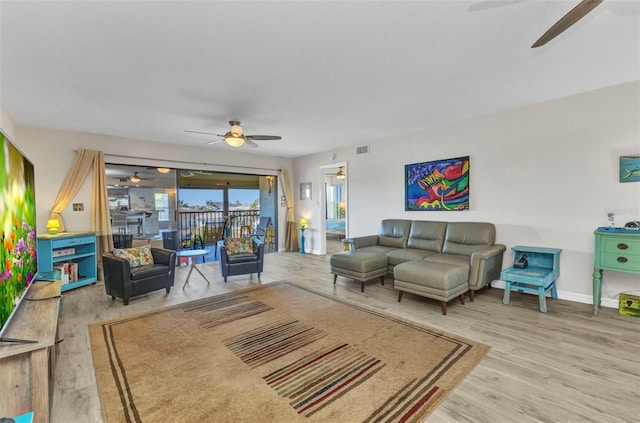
point(359, 265)
point(438, 281)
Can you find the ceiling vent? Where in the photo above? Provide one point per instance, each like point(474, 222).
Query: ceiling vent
point(364, 149)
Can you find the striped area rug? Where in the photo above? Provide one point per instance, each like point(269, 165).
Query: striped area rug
point(276, 353)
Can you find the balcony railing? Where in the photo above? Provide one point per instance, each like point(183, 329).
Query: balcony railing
point(207, 227)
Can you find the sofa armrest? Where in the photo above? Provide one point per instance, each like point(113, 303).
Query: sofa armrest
point(361, 241)
point(163, 256)
point(166, 257)
point(117, 275)
point(485, 266)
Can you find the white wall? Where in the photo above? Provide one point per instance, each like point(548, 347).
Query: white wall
point(545, 174)
point(53, 152)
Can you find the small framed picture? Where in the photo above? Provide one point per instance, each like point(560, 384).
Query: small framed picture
point(629, 168)
point(305, 191)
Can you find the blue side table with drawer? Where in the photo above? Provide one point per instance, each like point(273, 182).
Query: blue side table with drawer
point(538, 277)
point(69, 247)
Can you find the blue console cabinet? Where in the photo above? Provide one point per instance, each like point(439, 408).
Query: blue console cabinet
point(69, 247)
point(539, 277)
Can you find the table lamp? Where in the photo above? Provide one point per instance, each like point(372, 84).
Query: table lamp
point(53, 226)
point(303, 223)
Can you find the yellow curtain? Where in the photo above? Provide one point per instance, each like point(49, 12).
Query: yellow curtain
point(73, 182)
point(100, 219)
point(100, 216)
point(291, 234)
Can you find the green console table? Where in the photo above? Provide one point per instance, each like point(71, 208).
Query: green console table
point(616, 249)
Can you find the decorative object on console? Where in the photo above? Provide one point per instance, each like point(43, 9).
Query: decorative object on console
point(437, 185)
point(303, 227)
point(629, 168)
point(53, 226)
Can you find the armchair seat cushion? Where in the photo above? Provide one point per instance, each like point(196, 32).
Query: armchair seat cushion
point(146, 271)
point(242, 258)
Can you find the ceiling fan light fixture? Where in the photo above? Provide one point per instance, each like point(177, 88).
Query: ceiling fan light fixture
point(134, 178)
point(236, 129)
point(234, 140)
point(341, 173)
point(164, 170)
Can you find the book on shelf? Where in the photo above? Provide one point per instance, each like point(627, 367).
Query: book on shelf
point(73, 272)
point(63, 268)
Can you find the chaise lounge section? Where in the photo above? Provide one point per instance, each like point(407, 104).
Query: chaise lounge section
point(447, 258)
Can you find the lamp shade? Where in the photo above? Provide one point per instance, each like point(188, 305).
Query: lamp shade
point(53, 226)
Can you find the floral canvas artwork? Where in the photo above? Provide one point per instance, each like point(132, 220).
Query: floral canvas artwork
point(17, 225)
point(437, 185)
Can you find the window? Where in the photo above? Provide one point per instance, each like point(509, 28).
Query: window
point(162, 206)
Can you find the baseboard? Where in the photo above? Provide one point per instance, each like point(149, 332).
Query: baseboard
point(570, 296)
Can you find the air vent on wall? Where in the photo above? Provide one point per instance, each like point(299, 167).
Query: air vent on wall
point(364, 149)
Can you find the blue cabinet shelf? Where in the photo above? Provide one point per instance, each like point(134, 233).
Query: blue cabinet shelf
point(69, 247)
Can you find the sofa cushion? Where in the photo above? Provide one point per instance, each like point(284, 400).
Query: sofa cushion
point(377, 249)
point(427, 235)
point(136, 256)
point(465, 238)
point(242, 245)
point(402, 255)
point(452, 259)
point(394, 233)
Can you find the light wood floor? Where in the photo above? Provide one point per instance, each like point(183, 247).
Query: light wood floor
point(562, 366)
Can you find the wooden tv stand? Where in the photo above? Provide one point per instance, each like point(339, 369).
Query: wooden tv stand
point(27, 369)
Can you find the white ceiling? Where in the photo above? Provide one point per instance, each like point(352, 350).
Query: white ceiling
point(322, 74)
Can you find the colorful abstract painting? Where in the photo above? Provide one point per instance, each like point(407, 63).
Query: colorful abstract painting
point(437, 185)
point(629, 168)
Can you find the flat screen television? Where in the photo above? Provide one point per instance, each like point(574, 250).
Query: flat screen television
point(18, 259)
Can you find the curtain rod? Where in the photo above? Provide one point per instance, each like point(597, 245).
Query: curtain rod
point(190, 163)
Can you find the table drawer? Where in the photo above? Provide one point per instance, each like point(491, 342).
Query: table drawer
point(621, 261)
point(627, 246)
point(69, 242)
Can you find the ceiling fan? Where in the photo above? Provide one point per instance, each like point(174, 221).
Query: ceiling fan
point(236, 137)
point(135, 178)
point(574, 15)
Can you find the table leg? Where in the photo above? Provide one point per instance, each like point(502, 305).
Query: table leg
point(189, 274)
point(597, 289)
point(542, 299)
point(201, 274)
point(507, 293)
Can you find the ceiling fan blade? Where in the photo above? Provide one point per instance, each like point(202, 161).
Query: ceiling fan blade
point(204, 133)
point(574, 15)
point(263, 137)
point(250, 143)
point(214, 142)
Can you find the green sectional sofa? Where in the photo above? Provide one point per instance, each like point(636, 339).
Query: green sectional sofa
point(453, 245)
